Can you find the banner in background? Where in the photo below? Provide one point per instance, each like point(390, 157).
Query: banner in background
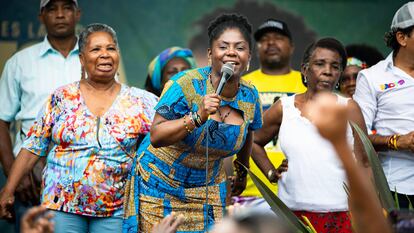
point(145, 28)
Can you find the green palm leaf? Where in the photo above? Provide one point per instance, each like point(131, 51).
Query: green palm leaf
point(380, 180)
point(280, 209)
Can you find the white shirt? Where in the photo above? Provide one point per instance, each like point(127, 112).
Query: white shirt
point(385, 94)
point(315, 178)
point(29, 77)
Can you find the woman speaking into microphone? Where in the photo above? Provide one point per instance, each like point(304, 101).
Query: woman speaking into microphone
point(179, 166)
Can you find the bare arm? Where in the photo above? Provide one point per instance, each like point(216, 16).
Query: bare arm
point(167, 132)
point(239, 181)
point(6, 152)
point(26, 191)
point(21, 167)
point(365, 205)
point(330, 120)
point(243, 155)
point(404, 142)
point(272, 120)
point(355, 115)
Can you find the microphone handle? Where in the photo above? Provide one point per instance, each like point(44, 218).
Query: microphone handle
point(221, 85)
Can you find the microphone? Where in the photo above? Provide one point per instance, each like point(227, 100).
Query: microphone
point(227, 71)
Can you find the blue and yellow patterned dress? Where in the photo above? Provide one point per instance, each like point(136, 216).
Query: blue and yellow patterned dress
point(173, 178)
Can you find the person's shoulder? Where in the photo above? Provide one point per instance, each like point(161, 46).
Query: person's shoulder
point(136, 92)
point(30, 52)
point(248, 87)
point(373, 71)
point(187, 77)
point(252, 75)
point(68, 88)
point(295, 73)
point(66, 93)
point(247, 84)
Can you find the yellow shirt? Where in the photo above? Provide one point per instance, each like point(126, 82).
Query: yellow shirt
point(269, 87)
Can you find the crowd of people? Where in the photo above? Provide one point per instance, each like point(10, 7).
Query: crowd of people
point(101, 156)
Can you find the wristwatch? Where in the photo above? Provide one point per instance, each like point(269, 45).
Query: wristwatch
point(271, 176)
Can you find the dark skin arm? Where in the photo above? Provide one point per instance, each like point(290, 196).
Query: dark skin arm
point(26, 190)
point(21, 167)
point(404, 142)
point(238, 183)
point(272, 119)
point(331, 121)
point(6, 152)
point(355, 115)
point(167, 132)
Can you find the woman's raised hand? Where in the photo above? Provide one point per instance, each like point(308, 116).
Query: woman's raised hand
point(209, 106)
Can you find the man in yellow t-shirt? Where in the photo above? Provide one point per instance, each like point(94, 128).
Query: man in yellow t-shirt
point(274, 79)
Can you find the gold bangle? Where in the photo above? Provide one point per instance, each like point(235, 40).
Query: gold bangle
point(397, 136)
point(186, 126)
point(392, 142)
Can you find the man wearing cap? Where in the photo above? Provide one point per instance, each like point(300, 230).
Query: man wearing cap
point(30, 76)
point(274, 79)
point(385, 95)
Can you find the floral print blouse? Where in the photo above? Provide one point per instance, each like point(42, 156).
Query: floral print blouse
point(88, 157)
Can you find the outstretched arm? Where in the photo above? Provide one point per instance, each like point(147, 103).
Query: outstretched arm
point(331, 121)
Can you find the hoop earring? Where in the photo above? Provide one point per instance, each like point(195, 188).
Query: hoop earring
point(305, 79)
point(82, 73)
point(248, 66)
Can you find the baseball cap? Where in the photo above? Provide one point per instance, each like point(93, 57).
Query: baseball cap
point(272, 25)
point(43, 3)
point(404, 17)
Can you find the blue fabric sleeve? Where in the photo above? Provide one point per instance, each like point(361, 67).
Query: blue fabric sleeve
point(258, 114)
point(172, 104)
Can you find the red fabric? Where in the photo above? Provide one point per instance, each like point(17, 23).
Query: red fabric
point(333, 222)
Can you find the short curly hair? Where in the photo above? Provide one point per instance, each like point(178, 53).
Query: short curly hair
point(391, 39)
point(226, 21)
point(326, 43)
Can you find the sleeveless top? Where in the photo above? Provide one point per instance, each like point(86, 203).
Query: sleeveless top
point(315, 177)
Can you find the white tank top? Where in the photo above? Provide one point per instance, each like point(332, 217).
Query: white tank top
point(315, 177)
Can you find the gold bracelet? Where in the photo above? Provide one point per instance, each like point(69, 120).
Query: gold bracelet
point(186, 126)
point(396, 137)
point(392, 142)
point(389, 143)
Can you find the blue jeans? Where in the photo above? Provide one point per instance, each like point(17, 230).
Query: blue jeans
point(74, 223)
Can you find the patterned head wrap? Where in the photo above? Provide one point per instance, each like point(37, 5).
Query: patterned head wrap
point(158, 63)
point(353, 61)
